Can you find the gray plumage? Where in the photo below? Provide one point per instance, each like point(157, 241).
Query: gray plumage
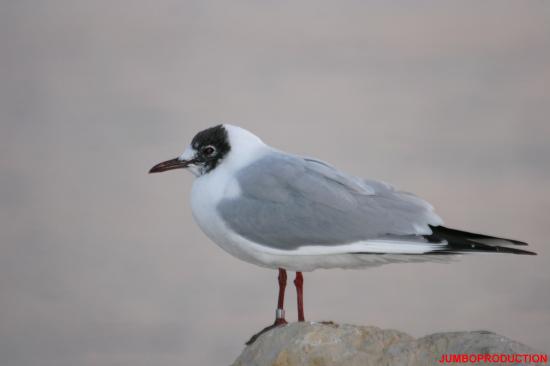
point(287, 201)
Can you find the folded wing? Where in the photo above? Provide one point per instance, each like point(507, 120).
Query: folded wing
point(290, 203)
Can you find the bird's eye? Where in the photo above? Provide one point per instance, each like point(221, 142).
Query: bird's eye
point(208, 150)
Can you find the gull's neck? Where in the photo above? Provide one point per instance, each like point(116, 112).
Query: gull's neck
point(245, 148)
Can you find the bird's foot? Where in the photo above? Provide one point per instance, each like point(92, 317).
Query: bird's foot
point(278, 322)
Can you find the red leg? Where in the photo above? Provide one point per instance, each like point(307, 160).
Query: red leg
point(280, 313)
point(299, 283)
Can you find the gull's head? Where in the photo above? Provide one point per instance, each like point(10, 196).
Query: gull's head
point(219, 145)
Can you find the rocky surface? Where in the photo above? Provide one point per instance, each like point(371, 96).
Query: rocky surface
point(331, 344)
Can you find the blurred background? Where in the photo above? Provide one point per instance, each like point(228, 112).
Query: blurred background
point(102, 264)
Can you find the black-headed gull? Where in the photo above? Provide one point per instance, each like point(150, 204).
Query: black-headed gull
point(288, 212)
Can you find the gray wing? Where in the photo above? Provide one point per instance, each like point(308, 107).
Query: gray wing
point(288, 201)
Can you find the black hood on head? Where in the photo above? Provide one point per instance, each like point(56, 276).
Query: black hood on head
point(214, 136)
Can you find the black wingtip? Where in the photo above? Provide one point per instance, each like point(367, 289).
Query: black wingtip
point(445, 231)
point(453, 249)
point(517, 242)
point(466, 242)
point(513, 251)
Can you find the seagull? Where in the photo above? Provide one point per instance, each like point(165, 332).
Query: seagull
point(292, 213)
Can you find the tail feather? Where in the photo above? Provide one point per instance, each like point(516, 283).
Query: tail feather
point(465, 242)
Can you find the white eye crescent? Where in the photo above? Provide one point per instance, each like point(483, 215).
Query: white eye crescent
point(208, 150)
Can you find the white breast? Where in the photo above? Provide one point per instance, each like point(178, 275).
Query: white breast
point(208, 190)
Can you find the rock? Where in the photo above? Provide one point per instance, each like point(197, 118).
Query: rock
point(319, 344)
